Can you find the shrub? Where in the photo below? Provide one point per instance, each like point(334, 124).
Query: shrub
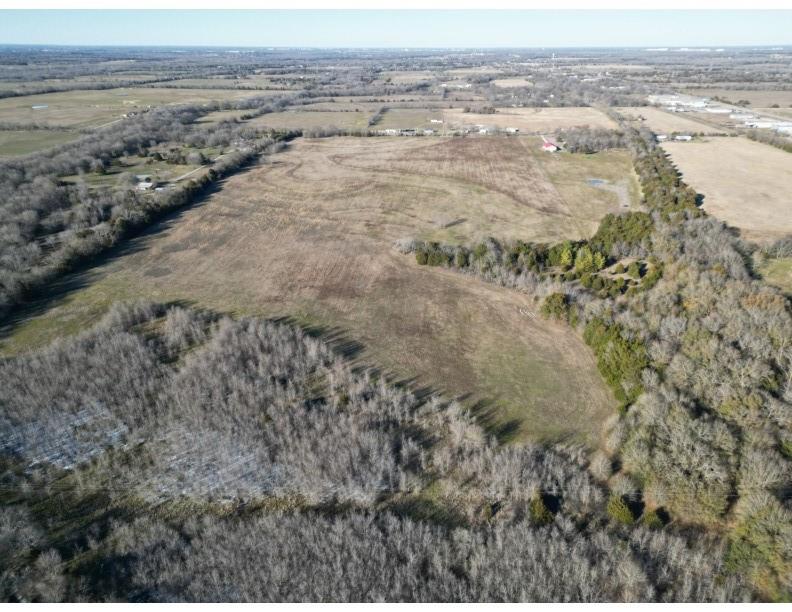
point(420, 257)
point(619, 360)
point(556, 306)
point(619, 511)
point(651, 520)
point(540, 513)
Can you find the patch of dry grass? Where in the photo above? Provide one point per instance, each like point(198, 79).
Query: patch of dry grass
point(309, 236)
point(533, 120)
point(744, 183)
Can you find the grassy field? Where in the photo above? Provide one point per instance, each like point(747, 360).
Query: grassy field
point(663, 122)
point(304, 119)
point(532, 120)
point(309, 236)
point(406, 118)
point(745, 183)
point(22, 142)
point(778, 272)
point(92, 108)
point(757, 98)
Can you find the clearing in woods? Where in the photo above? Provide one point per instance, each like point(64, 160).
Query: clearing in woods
point(745, 183)
point(309, 234)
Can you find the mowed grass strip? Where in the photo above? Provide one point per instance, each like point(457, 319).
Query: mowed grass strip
point(308, 236)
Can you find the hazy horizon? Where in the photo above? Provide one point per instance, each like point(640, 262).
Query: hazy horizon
point(388, 29)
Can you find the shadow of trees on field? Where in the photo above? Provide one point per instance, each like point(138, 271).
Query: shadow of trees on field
point(89, 271)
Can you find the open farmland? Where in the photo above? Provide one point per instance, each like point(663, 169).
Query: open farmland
point(512, 82)
point(92, 108)
point(532, 120)
point(663, 122)
point(407, 118)
point(745, 183)
point(761, 98)
point(310, 236)
point(411, 76)
point(22, 142)
point(304, 119)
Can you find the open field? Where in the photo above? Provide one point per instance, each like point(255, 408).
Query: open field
point(406, 118)
point(532, 120)
point(473, 70)
point(784, 113)
point(304, 119)
point(91, 108)
point(22, 142)
point(400, 77)
point(745, 183)
point(757, 98)
point(663, 122)
point(512, 82)
point(309, 235)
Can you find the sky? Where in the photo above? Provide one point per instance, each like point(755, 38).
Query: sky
point(409, 28)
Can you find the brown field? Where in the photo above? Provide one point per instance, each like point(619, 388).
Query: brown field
point(309, 235)
point(512, 82)
point(757, 98)
point(365, 104)
point(303, 119)
point(746, 184)
point(91, 108)
point(532, 120)
point(400, 77)
point(474, 70)
point(663, 122)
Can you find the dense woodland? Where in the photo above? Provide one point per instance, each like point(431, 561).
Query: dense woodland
point(326, 483)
